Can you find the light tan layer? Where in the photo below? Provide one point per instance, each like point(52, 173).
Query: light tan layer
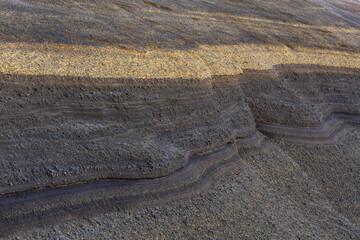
point(269, 23)
point(201, 63)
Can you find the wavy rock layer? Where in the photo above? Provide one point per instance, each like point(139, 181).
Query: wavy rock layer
point(95, 139)
point(55, 134)
point(131, 104)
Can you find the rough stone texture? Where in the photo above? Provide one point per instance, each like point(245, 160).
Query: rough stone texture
point(59, 134)
point(179, 119)
point(271, 196)
point(335, 168)
point(301, 95)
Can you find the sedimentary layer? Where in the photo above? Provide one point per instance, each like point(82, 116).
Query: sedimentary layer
point(51, 196)
point(288, 191)
point(81, 146)
point(55, 134)
point(58, 131)
point(131, 104)
point(46, 207)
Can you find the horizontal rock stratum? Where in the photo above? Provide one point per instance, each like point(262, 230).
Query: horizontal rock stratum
point(179, 119)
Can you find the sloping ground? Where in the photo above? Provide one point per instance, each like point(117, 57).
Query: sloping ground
point(179, 119)
point(269, 194)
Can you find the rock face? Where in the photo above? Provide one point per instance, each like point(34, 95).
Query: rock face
point(61, 134)
point(122, 105)
point(301, 95)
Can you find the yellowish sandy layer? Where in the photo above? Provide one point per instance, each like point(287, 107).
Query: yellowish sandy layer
point(204, 62)
point(271, 23)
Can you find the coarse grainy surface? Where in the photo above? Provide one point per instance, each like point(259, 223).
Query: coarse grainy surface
point(180, 119)
point(272, 196)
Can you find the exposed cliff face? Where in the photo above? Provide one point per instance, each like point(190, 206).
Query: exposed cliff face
point(67, 133)
point(301, 95)
point(57, 135)
point(68, 130)
point(130, 104)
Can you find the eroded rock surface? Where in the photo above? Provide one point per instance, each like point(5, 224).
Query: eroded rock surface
point(129, 110)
